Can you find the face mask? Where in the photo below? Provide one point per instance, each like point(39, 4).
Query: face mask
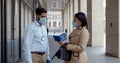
point(74, 24)
point(42, 20)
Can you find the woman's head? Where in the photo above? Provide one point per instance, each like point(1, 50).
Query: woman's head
point(80, 20)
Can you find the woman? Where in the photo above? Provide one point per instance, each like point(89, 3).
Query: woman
point(78, 40)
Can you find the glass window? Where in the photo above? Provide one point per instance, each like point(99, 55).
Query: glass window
point(53, 16)
point(54, 4)
point(49, 24)
point(54, 24)
point(59, 23)
point(9, 32)
point(14, 45)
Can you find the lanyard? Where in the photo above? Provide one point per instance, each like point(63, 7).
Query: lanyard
point(43, 37)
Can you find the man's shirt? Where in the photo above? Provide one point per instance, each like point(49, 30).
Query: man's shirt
point(35, 40)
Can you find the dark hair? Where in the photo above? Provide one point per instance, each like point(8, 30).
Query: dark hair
point(40, 10)
point(82, 17)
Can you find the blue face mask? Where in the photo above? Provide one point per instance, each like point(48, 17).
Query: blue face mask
point(42, 20)
point(74, 24)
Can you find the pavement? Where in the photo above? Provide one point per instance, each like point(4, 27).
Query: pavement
point(54, 46)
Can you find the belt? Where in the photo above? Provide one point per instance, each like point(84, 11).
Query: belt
point(41, 53)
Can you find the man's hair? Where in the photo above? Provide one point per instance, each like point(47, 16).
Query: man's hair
point(40, 10)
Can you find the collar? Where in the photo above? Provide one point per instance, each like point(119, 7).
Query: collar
point(36, 23)
point(79, 28)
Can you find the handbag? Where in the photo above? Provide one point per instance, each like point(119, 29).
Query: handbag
point(63, 54)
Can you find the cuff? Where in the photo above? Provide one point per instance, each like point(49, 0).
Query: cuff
point(48, 61)
point(48, 58)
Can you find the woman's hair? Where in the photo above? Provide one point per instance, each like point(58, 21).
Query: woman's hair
point(82, 17)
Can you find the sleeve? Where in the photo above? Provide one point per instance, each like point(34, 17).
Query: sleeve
point(28, 36)
point(82, 43)
point(75, 48)
point(47, 51)
point(47, 46)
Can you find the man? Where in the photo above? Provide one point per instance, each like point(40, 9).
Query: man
point(35, 45)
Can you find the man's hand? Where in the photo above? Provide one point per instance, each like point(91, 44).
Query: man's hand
point(48, 61)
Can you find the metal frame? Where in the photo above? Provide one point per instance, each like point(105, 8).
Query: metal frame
point(20, 29)
point(0, 31)
point(3, 32)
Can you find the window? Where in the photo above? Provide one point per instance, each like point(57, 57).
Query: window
point(59, 24)
point(54, 24)
point(60, 16)
point(53, 16)
point(49, 24)
point(49, 16)
point(54, 4)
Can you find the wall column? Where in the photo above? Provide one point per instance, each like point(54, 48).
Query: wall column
point(82, 6)
point(75, 6)
point(71, 16)
point(68, 14)
point(95, 14)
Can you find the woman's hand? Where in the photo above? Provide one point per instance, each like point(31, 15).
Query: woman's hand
point(61, 43)
point(64, 44)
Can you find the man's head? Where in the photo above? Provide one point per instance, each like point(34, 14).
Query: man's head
point(40, 14)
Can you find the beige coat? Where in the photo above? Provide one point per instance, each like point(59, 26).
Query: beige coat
point(78, 42)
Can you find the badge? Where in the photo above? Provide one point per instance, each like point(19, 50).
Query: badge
point(43, 38)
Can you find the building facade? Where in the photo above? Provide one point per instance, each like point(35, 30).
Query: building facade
point(54, 20)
